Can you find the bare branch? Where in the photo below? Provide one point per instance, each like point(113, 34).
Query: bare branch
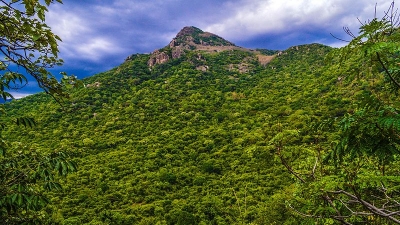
point(370, 207)
point(288, 167)
point(339, 38)
point(314, 168)
point(302, 214)
point(387, 72)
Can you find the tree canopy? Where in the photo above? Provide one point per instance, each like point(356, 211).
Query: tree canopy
point(354, 178)
point(28, 47)
point(312, 137)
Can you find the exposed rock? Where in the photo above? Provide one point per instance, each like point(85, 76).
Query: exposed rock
point(244, 68)
point(189, 38)
point(200, 57)
point(202, 68)
point(241, 67)
point(158, 57)
point(188, 31)
point(172, 43)
point(177, 52)
point(95, 84)
point(265, 59)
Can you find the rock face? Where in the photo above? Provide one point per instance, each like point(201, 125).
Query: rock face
point(95, 84)
point(189, 38)
point(158, 57)
point(188, 31)
point(194, 39)
point(177, 52)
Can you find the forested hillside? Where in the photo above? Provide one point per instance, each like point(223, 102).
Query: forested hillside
point(201, 131)
point(178, 144)
point(206, 132)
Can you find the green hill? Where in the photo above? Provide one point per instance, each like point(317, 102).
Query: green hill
point(185, 140)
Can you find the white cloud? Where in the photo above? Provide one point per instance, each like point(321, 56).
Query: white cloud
point(18, 95)
point(81, 36)
point(95, 47)
point(67, 25)
point(249, 18)
point(338, 44)
point(102, 33)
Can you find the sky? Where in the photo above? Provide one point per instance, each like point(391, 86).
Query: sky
point(99, 34)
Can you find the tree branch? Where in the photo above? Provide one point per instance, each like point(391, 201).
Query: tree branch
point(387, 71)
point(370, 207)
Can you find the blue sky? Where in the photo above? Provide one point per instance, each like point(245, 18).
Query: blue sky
point(99, 34)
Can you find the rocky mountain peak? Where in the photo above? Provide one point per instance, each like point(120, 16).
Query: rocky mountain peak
point(194, 37)
point(188, 31)
point(189, 38)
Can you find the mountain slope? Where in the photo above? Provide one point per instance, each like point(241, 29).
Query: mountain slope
point(194, 39)
point(185, 141)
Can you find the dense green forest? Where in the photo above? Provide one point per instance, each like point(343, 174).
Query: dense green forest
point(214, 134)
point(176, 145)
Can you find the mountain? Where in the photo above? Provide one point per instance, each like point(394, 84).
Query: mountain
point(181, 136)
point(194, 39)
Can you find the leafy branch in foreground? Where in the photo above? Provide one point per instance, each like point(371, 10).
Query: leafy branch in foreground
point(359, 182)
point(28, 47)
point(21, 199)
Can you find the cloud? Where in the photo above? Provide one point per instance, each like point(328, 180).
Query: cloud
point(66, 24)
point(249, 18)
point(93, 48)
point(82, 37)
point(18, 95)
point(100, 34)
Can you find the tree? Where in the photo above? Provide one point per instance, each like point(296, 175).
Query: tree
point(28, 47)
point(357, 180)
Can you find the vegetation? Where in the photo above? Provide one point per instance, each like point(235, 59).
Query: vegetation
point(267, 51)
point(27, 47)
point(219, 138)
point(178, 145)
point(199, 37)
point(356, 179)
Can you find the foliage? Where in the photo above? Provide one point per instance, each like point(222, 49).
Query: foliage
point(175, 144)
point(267, 51)
point(356, 181)
point(21, 199)
point(28, 47)
point(197, 36)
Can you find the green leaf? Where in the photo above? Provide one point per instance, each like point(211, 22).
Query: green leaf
point(35, 38)
point(26, 121)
